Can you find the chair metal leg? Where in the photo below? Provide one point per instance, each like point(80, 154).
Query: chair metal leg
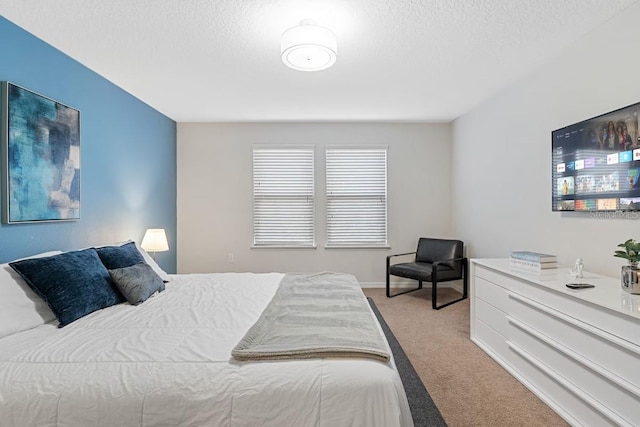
point(402, 293)
point(449, 303)
point(465, 281)
point(388, 287)
point(465, 286)
point(399, 293)
point(434, 293)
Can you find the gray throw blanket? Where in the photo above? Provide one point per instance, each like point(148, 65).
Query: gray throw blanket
point(314, 315)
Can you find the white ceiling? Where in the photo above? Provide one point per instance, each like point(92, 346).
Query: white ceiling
point(398, 60)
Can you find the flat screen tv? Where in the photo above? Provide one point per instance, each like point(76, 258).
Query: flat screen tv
point(596, 163)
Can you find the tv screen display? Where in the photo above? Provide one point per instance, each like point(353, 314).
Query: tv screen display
point(596, 163)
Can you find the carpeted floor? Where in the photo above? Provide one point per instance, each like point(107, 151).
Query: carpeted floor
point(468, 387)
point(424, 411)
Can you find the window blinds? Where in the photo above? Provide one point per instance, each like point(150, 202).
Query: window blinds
point(356, 196)
point(283, 203)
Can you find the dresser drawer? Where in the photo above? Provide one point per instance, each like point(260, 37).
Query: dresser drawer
point(492, 317)
point(549, 387)
point(491, 293)
point(611, 354)
point(492, 342)
point(612, 398)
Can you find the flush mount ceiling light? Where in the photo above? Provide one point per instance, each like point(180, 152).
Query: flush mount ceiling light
point(308, 47)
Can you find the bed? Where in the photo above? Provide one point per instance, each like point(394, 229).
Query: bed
point(167, 362)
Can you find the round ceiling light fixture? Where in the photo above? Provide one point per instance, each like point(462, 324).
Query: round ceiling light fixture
point(308, 47)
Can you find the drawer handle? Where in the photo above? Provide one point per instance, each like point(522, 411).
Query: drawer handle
point(620, 382)
point(577, 323)
point(569, 386)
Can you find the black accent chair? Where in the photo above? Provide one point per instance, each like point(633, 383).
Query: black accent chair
point(437, 260)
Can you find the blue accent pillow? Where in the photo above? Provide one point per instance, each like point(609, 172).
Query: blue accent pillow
point(119, 256)
point(73, 284)
point(137, 283)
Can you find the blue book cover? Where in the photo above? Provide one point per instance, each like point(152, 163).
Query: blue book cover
point(533, 256)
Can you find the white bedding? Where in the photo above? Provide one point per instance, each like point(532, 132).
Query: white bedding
point(168, 362)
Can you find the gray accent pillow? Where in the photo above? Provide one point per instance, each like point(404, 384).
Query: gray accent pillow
point(137, 282)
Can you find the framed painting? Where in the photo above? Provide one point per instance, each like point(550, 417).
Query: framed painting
point(40, 158)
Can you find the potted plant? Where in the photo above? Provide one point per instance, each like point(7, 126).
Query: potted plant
point(630, 273)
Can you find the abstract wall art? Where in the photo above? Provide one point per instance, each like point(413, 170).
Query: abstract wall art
point(40, 157)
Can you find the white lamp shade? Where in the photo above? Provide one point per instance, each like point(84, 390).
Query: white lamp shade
point(308, 47)
point(155, 240)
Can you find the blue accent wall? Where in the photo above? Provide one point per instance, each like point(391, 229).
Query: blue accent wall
point(128, 155)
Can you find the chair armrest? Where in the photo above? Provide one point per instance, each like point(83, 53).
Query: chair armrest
point(436, 263)
point(395, 255)
point(407, 253)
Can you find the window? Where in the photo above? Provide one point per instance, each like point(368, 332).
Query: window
point(283, 197)
point(356, 197)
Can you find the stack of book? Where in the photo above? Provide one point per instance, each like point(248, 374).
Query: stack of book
point(534, 262)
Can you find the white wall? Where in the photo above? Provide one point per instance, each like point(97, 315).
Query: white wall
point(215, 194)
point(501, 158)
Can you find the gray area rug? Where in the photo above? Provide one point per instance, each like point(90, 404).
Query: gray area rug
point(423, 411)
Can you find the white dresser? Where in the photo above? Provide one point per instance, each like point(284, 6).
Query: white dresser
point(577, 350)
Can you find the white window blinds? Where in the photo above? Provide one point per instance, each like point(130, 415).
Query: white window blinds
point(283, 197)
point(356, 196)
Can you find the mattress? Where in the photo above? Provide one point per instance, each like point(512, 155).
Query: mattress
point(168, 362)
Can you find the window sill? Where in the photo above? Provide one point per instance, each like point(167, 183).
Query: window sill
point(278, 247)
point(351, 247)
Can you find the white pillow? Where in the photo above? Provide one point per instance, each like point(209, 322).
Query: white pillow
point(20, 307)
point(154, 265)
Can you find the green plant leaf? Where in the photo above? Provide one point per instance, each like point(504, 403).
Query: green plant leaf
point(631, 251)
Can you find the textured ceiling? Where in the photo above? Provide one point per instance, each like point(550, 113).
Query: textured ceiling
point(403, 60)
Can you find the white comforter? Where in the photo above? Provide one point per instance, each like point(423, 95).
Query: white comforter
point(167, 363)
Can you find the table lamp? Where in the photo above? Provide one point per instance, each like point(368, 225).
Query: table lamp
point(155, 240)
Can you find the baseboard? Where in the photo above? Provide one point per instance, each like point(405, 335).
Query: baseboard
point(411, 284)
point(384, 285)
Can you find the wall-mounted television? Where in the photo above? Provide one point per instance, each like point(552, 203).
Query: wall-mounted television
point(596, 163)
